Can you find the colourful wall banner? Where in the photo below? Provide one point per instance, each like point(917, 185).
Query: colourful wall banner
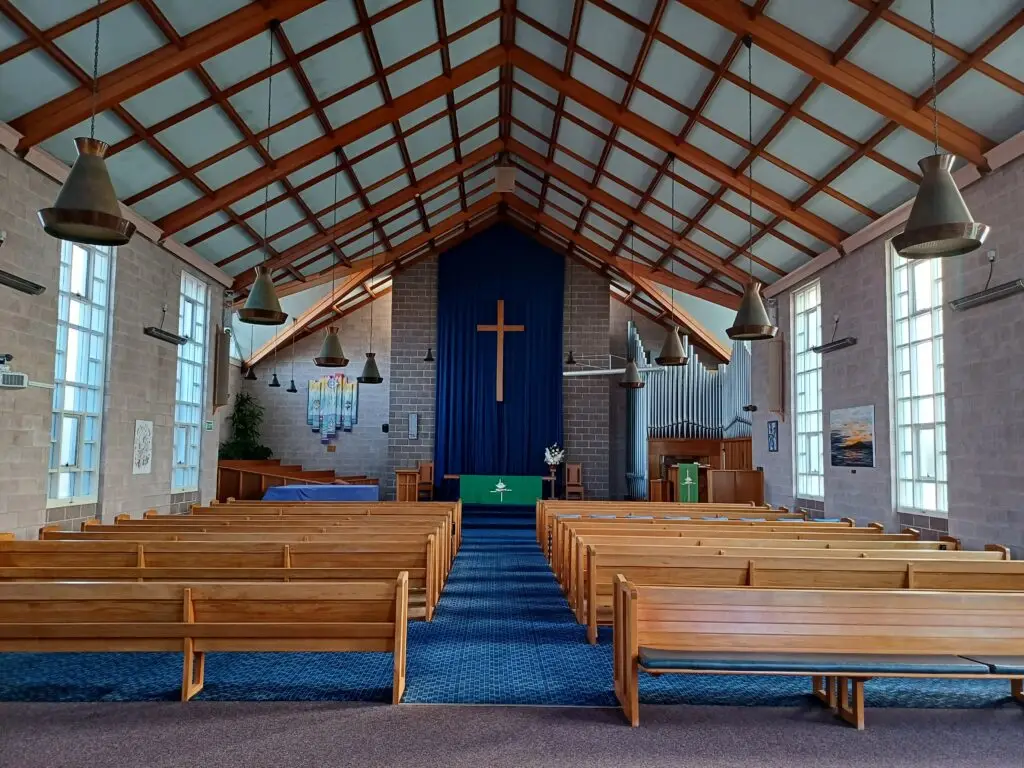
point(332, 405)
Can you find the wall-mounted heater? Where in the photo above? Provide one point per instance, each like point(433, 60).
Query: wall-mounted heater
point(161, 334)
point(988, 295)
point(832, 346)
point(21, 284)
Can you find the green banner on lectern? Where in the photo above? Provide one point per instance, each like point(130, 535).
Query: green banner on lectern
point(510, 490)
point(688, 483)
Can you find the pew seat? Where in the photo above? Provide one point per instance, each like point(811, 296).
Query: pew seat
point(840, 639)
point(197, 618)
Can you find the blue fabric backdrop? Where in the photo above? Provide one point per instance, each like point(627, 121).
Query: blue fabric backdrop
point(475, 433)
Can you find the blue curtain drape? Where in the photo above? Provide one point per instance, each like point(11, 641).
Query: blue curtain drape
point(475, 433)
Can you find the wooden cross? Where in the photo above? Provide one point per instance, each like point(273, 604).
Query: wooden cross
point(501, 329)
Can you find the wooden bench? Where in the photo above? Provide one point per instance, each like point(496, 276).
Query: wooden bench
point(195, 619)
point(667, 568)
point(226, 561)
point(838, 638)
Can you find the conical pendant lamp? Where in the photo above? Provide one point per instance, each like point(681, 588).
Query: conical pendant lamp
point(570, 359)
point(672, 352)
point(751, 323)
point(86, 209)
point(250, 375)
point(940, 224)
point(429, 358)
point(292, 388)
point(331, 354)
point(631, 378)
point(274, 382)
point(371, 374)
point(262, 306)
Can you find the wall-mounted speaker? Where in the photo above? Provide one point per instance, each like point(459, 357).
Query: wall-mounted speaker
point(385, 428)
point(221, 367)
point(776, 384)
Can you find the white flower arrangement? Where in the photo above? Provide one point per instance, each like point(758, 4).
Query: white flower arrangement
point(553, 455)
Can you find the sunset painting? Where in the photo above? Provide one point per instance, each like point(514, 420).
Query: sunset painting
point(852, 436)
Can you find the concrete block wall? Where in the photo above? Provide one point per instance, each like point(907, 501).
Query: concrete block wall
point(140, 373)
point(363, 451)
point(413, 382)
point(983, 349)
point(586, 399)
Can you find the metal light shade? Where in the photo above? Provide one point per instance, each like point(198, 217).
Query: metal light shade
point(672, 352)
point(631, 378)
point(939, 224)
point(370, 373)
point(569, 359)
point(250, 375)
point(331, 354)
point(262, 306)
point(274, 382)
point(292, 388)
point(430, 355)
point(751, 323)
point(86, 209)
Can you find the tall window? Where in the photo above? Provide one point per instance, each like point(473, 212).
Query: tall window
point(83, 318)
point(918, 385)
point(810, 477)
point(188, 398)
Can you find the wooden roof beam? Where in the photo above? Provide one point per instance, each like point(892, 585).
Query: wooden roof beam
point(133, 78)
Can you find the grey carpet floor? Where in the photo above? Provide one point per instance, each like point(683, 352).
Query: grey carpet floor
point(322, 734)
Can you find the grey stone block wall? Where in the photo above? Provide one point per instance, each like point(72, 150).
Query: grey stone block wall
point(984, 349)
point(363, 451)
point(140, 375)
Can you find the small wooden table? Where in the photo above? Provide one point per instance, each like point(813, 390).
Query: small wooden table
point(407, 484)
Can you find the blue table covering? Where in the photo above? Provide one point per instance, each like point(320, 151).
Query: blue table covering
point(322, 493)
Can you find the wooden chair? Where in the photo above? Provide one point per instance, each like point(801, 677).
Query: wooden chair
point(574, 481)
point(425, 484)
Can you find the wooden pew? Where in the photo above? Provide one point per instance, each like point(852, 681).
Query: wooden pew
point(573, 573)
point(667, 568)
point(838, 638)
point(196, 618)
point(224, 561)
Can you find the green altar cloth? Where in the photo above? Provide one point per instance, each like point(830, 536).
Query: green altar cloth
point(512, 490)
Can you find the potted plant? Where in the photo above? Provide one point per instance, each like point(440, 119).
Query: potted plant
point(246, 425)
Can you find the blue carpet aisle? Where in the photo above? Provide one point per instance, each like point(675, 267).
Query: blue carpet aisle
point(502, 634)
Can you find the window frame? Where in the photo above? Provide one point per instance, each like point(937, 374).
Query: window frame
point(913, 396)
point(805, 364)
point(94, 386)
point(199, 302)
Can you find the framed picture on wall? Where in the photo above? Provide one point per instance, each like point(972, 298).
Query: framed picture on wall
point(852, 436)
point(773, 437)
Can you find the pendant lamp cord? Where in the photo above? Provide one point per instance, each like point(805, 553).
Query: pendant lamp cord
point(569, 266)
point(294, 320)
point(673, 195)
point(266, 190)
point(373, 254)
point(935, 88)
point(334, 226)
point(749, 42)
point(95, 75)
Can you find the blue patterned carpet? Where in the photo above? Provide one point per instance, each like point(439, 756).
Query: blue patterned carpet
point(502, 634)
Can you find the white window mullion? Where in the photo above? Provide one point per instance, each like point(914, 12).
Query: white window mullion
point(190, 386)
point(808, 468)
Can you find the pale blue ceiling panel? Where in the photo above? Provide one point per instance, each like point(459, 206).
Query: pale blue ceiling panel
point(354, 106)
point(979, 102)
point(675, 75)
point(777, 179)
point(558, 215)
point(874, 185)
point(728, 107)
point(590, 118)
point(339, 67)
point(320, 22)
point(462, 13)
point(201, 227)
point(405, 32)
point(646, 149)
point(230, 168)
point(377, 166)
point(369, 142)
point(166, 200)
point(808, 149)
point(386, 190)
point(256, 198)
point(345, 211)
point(435, 163)
point(286, 99)
point(294, 136)
point(609, 38)
point(109, 128)
point(530, 140)
point(601, 80)
point(439, 203)
point(414, 75)
point(798, 235)
point(211, 124)
point(716, 145)
point(29, 81)
point(294, 237)
point(693, 176)
point(407, 234)
point(906, 148)
point(620, 192)
point(137, 168)
point(777, 252)
point(421, 114)
point(47, 14)
point(477, 140)
point(657, 111)
point(709, 243)
point(568, 204)
point(245, 264)
point(843, 113)
point(477, 42)
point(727, 224)
point(532, 112)
point(555, 16)
point(188, 15)
point(245, 59)
point(543, 46)
point(828, 25)
point(965, 24)
point(428, 139)
point(125, 35)
point(574, 137)
point(9, 34)
point(687, 202)
point(627, 168)
point(898, 58)
point(696, 31)
point(642, 10)
point(836, 212)
point(278, 217)
point(571, 164)
point(409, 215)
point(1008, 57)
point(476, 85)
point(742, 202)
point(487, 107)
point(305, 173)
point(771, 74)
point(166, 99)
